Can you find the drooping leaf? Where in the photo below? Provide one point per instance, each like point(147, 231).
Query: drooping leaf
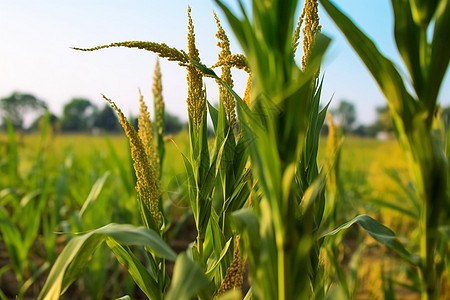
point(123, 172)
point(73, 260)
point(94, 193)
point(138, 272)
point(423, 11)
point(217, 261)
point(188, 280)
point(407, 38)
point(382, 69)
point(214, 114)
point(380, 233)
point(440, 56)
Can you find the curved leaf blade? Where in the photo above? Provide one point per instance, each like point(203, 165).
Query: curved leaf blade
point(188, 279)
point(73, 260)
point(381, 68)
point(126, 234)
point(137, 271)
point(381, 234)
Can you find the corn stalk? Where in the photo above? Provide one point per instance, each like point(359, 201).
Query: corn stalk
point(426, 58)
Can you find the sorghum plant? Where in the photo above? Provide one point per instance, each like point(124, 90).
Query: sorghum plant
point(281, 126)
point(421, 30)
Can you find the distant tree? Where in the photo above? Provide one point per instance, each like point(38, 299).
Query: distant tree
point(383, 123)
point(17, 105)
point(445, 116)
point(384, 119)
point(172, 123)
point(365, 130)
point(78, 115)
point(52, 119)
point(346, 115)
point(107, 120)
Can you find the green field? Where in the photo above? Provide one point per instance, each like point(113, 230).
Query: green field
point(66, 168)
point(260, 206)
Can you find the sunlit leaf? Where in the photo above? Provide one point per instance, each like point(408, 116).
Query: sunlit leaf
point(73, 260)
point(188, 280)
point(380, 233)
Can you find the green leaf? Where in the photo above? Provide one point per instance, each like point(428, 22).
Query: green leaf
point(214, 114)
point(94, 193)
point(137, 271)
point(73, 260)
point(188, 280)
point(233, 294)
point(313, 192)
point(193, 190)
point(125, 174)
point(203, 161)
point(77, 250)
point(407, 38)
point(217, 261)
point(411, 196)
point(204, 69)
point(423, 11)
point(248, 224)
point(394, 206)
point(13, 241)
point(382, 69)
point(216, 235)
point(440, 56)
point(381, 234)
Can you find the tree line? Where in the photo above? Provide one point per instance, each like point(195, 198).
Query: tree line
point(81, 115)
point(346, 117)
point(78, 115)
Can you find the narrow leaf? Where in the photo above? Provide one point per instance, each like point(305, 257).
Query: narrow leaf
point(380, 233)
point(188, 279)
point(73, 260)
point(137, 271)
point(382, 69)
point(94, 193)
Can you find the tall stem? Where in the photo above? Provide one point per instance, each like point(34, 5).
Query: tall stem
point(281, 267)
point(200, 240)
point(430, 290)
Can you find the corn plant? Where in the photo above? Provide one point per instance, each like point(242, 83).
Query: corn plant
point(22, 211)
point(281, 127)
point(421, 30)
point(213, 252)
point(260, 180)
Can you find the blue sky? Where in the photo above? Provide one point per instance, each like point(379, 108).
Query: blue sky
point(36, 36)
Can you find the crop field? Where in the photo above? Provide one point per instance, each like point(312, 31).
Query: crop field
point(254, 200)
point(75, 163)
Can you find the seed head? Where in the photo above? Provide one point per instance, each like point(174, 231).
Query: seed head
point(161, 49)
point(333, 146)
point(311, 29)
point(226, 97)
point(234, 277)
point(247, 90)
point(236, 60)
point(146, 135)
point(296, 36)
point(196, 101)
point(158, 99)
point(146, 184)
